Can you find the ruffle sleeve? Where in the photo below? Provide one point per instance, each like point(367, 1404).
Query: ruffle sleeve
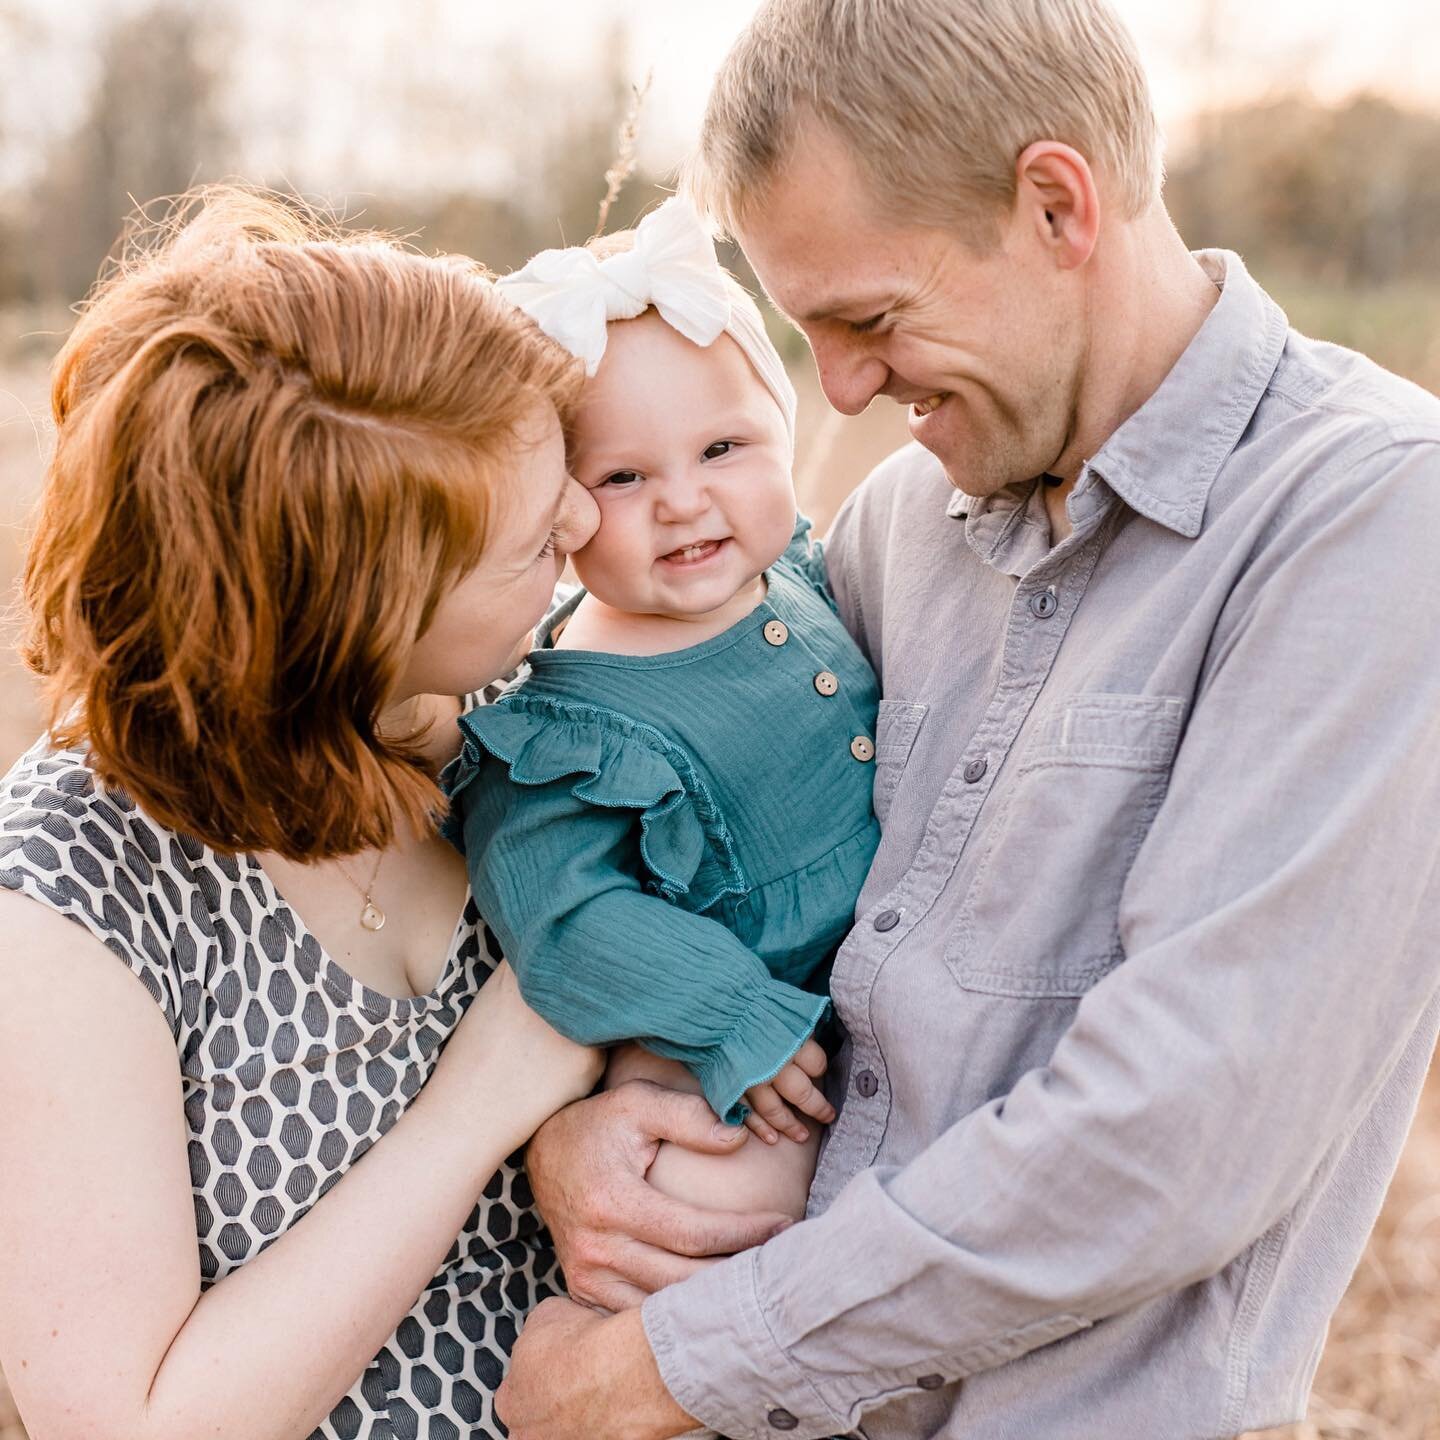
point(591, 854)
point(614, 763)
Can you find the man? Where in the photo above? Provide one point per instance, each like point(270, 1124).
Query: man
point(1143, 984)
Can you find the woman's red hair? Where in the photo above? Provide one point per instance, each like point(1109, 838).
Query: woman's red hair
point(277, 447)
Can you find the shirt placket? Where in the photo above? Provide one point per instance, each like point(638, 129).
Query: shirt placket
point(838, 705)
point(1045, 600)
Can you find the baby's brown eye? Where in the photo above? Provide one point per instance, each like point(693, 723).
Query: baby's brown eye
point(719, 448)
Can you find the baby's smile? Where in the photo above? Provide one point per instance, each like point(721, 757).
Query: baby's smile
point(695, 553)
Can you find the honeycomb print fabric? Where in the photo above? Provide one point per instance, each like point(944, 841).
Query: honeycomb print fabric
point(290, 1071)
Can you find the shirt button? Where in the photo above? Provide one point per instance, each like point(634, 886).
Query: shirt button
point(862, 747)
point(782, 1420)
point(887, 920)
point(975, 770)
point(930, 1382)
point(826, 683)
point(1044, 604)
point(867, 1082)
point(776, 632)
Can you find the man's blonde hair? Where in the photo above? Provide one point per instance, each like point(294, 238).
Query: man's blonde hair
point(935, 99)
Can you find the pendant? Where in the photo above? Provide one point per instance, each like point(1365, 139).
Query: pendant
point(372, 917)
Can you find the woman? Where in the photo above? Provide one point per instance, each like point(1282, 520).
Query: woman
point(305, 489)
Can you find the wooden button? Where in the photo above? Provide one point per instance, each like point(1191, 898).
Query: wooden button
point(776, 632)
point(862, 747)
point(826, 683)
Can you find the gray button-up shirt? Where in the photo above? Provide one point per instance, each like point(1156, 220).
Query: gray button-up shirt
point(1143, 984)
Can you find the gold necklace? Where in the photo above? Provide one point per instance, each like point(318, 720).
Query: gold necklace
point(372, 917)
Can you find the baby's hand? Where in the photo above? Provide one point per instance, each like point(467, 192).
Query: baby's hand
point(770, 1116)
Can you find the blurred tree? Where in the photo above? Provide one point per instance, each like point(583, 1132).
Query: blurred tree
point(579, 143)
point(563, 133)
point(1347, 194)
point(14, 28)
point(153, 127)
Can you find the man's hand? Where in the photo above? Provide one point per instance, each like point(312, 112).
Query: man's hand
point(576, 1375)
point(617, 1237)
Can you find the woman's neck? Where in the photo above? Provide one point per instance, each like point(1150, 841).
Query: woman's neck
point(428, 721)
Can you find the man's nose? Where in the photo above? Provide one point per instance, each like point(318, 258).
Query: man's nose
point(849, 376)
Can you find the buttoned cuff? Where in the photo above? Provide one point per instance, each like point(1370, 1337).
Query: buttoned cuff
point(849, 1311)
point(744, 1386)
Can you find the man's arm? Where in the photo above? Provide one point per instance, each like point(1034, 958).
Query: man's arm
point(1278, 923)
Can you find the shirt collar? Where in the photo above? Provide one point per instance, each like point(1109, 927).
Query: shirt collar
point(1165, 458)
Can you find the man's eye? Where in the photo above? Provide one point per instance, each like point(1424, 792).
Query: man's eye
point(871, 322)
point(621, 477)
point(719, 448)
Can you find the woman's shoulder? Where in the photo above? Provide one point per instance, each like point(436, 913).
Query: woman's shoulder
point(88, 852)
point(60, 825)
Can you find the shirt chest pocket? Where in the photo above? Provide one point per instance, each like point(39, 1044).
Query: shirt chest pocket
point(1040, 918)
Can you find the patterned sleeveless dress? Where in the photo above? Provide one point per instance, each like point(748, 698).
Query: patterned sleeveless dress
point(290, 1071)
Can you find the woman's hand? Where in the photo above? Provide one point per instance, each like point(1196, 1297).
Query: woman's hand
point(520, 1066)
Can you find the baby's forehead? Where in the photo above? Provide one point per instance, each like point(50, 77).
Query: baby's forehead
point(649, 347)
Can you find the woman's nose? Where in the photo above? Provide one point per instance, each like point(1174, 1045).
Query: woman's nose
point(582, 517)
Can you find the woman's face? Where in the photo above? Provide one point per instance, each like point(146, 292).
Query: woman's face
point(483, 626)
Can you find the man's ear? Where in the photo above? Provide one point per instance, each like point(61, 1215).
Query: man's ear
point(1055, 188)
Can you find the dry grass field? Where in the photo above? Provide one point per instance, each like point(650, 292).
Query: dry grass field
point(1380, 1376)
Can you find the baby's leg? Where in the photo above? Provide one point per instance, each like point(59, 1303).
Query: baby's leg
point(756, 1177)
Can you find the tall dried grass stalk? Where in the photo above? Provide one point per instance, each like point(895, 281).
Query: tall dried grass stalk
point(624, 164)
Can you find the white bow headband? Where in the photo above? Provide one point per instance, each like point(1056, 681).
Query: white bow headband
point(572, 296)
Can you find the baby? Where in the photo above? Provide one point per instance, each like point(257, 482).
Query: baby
point(668, 821)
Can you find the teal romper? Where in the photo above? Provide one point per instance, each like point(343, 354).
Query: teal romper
point(670, 847)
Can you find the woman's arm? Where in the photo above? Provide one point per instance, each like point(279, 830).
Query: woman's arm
point(103, 1329)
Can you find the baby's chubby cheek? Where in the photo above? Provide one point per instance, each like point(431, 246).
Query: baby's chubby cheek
point(606, 566)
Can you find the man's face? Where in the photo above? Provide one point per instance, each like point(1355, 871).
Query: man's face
point(986, 349)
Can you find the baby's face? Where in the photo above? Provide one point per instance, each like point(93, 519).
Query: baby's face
point(686, 454)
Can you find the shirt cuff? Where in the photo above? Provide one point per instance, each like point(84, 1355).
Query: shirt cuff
point(745, 1386)
point(777, 1021)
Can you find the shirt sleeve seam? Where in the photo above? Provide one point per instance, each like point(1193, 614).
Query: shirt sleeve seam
point(1364, 450)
